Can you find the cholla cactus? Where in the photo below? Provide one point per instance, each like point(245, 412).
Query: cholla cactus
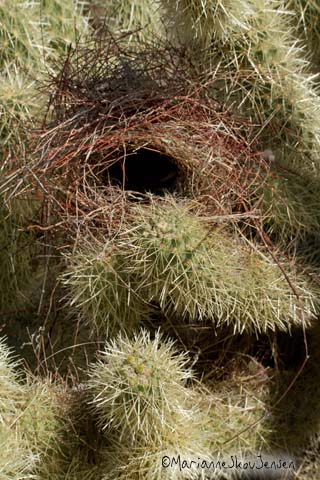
point(200, 273)
point(291, 205)
point(150, 463)
point(31, 34)
point(14, 462)
point(101, 290)
point(127, 16)
point(139, 392)
point(16, 457)
point(170, 259)
point(170, 253)
point(18, 275)
point(9, 379)
point(139, 387)
point(201, 21)
point(145, 256)
point(31, 31)
point(253, 42)
point(70, 450)
point(306, 20)
point(38, 436)
point(309, 468)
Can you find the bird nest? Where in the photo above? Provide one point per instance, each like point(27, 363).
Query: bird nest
point(124, 123)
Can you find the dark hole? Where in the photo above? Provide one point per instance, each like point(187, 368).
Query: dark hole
point(143, 171)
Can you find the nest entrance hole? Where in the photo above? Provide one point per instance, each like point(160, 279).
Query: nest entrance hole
point(144, 170)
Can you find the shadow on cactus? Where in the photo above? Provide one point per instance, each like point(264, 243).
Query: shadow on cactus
point(296, 416)
point(45, 428)
point(306, 21)
point(291, 204)
point(28, 420)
